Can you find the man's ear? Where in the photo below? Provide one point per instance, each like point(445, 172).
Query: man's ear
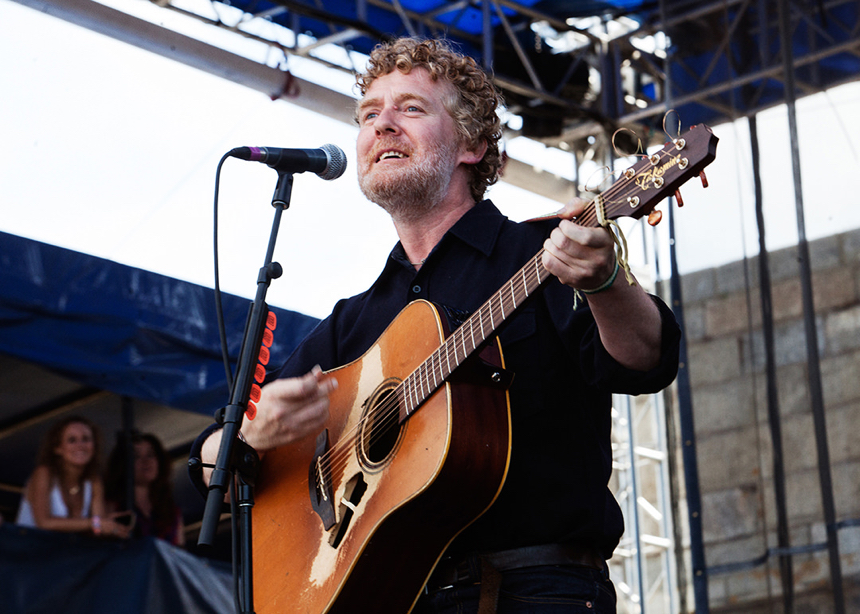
point(474, 155)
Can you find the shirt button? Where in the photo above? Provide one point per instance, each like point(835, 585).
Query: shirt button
point(416, 289)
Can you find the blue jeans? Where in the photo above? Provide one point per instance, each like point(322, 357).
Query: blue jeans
point(547, 589)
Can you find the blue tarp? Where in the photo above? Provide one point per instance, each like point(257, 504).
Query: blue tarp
point(123, 329)
point(49, 573)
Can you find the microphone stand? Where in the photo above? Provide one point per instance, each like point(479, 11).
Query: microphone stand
point(234, 455)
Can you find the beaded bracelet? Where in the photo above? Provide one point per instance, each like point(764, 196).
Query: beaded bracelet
point(606, 284)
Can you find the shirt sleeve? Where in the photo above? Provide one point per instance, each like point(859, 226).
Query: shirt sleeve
point(603, 371)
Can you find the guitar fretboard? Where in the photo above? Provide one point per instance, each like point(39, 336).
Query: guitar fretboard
point(479, 327)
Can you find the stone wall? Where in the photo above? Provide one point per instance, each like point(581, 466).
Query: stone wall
point(722, 312)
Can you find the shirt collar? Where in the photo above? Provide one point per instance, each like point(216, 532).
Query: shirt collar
point(479, 228)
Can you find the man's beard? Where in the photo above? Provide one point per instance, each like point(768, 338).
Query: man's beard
point(409, 194)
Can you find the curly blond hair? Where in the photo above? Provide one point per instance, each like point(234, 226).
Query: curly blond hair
point(473, 107)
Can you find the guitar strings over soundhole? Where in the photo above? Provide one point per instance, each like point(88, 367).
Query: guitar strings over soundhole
point(380, 427)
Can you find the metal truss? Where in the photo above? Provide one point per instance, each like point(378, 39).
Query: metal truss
point(643, 568)
point(725, 56)
point(572, 80)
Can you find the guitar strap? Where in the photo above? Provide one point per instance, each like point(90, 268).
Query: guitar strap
point(491, 580)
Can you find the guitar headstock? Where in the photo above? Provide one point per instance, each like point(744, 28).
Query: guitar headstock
point(653, 178)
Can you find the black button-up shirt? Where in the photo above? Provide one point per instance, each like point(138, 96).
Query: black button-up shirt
point(561, 458)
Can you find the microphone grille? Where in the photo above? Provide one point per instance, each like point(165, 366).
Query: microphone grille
point(336, 162)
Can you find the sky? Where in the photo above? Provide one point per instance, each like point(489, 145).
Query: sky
point(112, 150)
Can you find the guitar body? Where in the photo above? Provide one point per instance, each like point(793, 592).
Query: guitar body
point(410, 487)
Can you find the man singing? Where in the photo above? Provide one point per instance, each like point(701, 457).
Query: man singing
point(427, 150)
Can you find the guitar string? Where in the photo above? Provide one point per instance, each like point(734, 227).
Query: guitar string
point(389, 411)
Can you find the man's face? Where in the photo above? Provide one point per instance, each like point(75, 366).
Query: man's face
point(408, 147)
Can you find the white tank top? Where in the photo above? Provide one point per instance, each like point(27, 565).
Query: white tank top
point(58, 506)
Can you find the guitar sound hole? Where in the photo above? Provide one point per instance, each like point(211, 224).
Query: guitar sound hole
point(381, 428)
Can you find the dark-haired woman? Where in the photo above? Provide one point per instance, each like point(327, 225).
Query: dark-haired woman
point(154, 507)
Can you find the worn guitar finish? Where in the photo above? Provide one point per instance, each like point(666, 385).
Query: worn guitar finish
point(424, 479)
point(418, 441)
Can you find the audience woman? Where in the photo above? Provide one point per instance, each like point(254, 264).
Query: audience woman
point(65, 491)
point(152, 501)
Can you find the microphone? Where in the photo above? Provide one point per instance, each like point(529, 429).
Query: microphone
point(329, 161)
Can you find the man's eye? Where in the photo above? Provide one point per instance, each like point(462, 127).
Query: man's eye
point(370, 115)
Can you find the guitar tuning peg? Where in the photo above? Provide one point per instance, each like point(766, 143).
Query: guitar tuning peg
point(678, 198)
point(704, 179)
point(654, 217)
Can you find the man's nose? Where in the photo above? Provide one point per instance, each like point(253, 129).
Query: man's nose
point(386, 122)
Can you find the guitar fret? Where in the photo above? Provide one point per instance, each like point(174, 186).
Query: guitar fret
point(438, 354)
point(502, 305)
point(513, 293)
point(525, 283)
point(407, 398)
point(448, 357)
point(420, 395)
point(410, 403)
point(472, 332)
point(460, 341)
point(403, 398)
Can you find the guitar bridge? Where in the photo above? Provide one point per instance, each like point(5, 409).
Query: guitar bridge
point(319, 482)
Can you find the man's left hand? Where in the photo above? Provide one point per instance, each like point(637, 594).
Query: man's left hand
point(581, 257)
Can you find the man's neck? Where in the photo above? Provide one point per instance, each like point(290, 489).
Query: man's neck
point(420, 236)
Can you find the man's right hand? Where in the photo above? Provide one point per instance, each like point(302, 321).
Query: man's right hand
point(288, 410)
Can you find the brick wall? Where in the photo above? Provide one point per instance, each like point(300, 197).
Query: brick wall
point(726, 366)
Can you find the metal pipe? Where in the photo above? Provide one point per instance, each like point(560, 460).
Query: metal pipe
point(813, 361)
point(773, 414)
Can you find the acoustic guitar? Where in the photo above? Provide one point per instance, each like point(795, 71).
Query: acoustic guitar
point(418, 440)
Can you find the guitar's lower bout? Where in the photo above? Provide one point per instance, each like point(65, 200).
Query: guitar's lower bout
point(399, 493)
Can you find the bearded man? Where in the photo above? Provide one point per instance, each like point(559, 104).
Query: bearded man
point(427, 150)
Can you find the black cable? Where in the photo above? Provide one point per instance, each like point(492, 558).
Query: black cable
point(219, 311)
